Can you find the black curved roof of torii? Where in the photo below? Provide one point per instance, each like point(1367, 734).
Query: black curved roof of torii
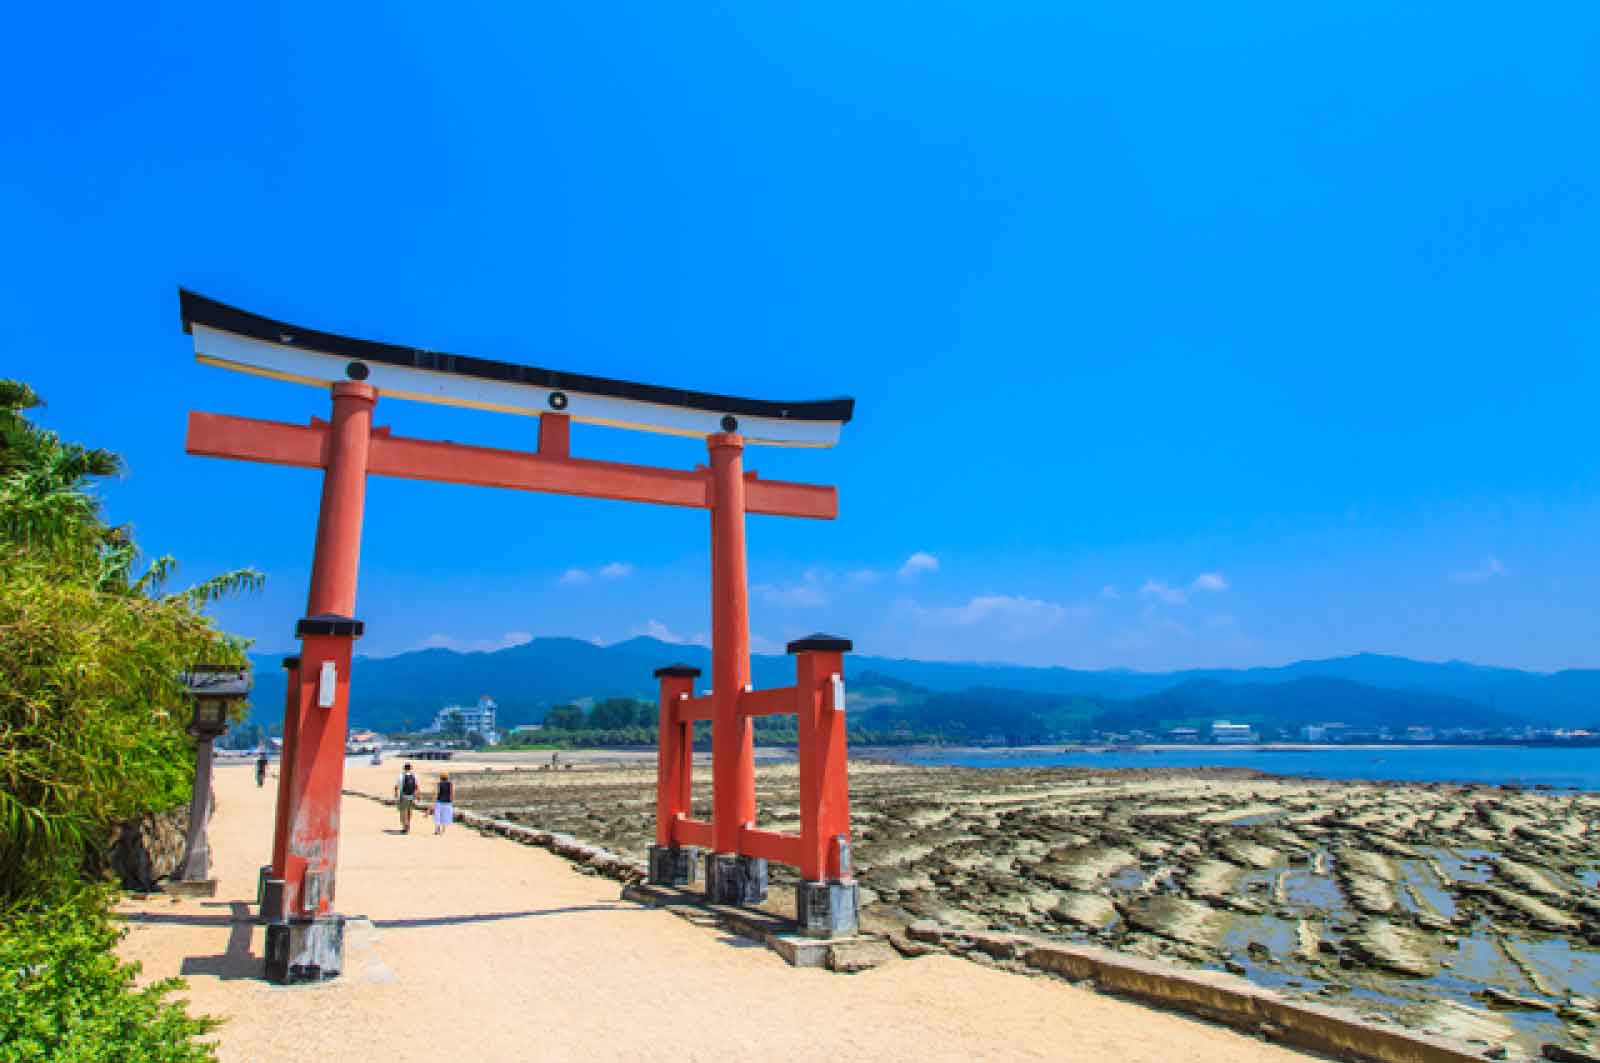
point(197, 309)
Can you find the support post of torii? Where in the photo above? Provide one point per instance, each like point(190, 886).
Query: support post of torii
point(306, 942)
point(272, 889)
point(731, 878)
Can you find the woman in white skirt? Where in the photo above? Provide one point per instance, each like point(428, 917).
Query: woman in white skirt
point(444, 809)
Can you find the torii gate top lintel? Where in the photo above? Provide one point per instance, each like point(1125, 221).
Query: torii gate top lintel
point(231, 338)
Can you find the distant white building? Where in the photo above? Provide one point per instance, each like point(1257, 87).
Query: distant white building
point(1314, 732)
point(479, 718)
point(1232, 734)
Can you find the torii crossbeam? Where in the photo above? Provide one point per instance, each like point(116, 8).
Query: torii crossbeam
point(304, 934)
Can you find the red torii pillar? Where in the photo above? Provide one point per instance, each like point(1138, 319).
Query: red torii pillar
point(736, 869)
point(271, 890)
point(731, 877)
point(306, 940)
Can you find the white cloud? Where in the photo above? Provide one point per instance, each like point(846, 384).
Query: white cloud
point(917, 564)
point(865, 575)
point(655, 629)
point(578, 576)
point(440, 641)
point(1162, 592)
point(1167, 594)
point(1109, 593)
point(1013, 616)
point(762, 644)
point(1488, 569)
point(808, 593)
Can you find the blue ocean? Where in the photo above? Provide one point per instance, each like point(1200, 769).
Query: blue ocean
point(1577, 769)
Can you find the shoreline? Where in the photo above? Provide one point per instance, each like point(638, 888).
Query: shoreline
point(1063, 749)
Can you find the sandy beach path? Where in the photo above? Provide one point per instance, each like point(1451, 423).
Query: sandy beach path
point(486, 950)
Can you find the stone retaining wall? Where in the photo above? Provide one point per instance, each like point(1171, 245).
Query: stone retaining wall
point(146, 849)
point(1213, 995)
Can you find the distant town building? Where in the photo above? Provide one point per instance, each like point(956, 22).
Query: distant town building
point(479, 718)
point(1184, 735)
point(1419, 734)
point(1314, 732)
point(1232, 734)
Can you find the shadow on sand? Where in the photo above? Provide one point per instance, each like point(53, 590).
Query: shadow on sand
point(236, 960)
point(489, 917)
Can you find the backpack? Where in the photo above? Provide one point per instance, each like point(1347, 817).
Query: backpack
point(408, 785)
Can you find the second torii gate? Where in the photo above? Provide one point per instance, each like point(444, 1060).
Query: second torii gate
point(304, 934)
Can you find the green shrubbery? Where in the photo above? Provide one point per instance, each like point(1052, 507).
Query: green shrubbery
point(92, 718)
point(64, 995)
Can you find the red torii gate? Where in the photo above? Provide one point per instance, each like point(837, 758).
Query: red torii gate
point(304, 933)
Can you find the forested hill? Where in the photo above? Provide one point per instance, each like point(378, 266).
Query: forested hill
point(391, 692)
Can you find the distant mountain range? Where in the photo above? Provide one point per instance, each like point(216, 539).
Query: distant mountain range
point(406, 690)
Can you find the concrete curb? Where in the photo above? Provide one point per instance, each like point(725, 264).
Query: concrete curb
point(840, 955)
point(1213, 995)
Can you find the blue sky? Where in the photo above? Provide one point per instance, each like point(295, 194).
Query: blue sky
point(1181, 334)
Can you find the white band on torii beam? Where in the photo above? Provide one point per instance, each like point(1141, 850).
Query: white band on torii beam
point(231, 338)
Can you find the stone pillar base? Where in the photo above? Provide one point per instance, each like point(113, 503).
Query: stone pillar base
point(673, 865)
point(274, 892)
point(736, 880)
point(305, 950)
point(200, 887)
point(828, 909)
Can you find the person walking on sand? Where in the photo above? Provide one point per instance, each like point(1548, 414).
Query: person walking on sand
point(261, 771)
point(444, 809)
point(405, 797)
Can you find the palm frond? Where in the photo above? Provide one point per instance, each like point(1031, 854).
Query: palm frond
point(156, 576)
point(226, 585)
point(16, 396)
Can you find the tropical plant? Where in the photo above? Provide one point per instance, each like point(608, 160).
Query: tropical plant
point(92, 713)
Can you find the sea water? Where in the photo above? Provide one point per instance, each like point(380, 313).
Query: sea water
point(1516, 765)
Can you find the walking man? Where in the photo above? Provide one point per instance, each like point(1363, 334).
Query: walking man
point(261, 771)
point(405, 794)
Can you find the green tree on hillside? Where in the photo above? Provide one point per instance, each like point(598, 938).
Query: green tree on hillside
point(564, 718)
point(614, 714)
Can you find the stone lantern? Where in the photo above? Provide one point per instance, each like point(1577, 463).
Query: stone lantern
point(214, 689)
